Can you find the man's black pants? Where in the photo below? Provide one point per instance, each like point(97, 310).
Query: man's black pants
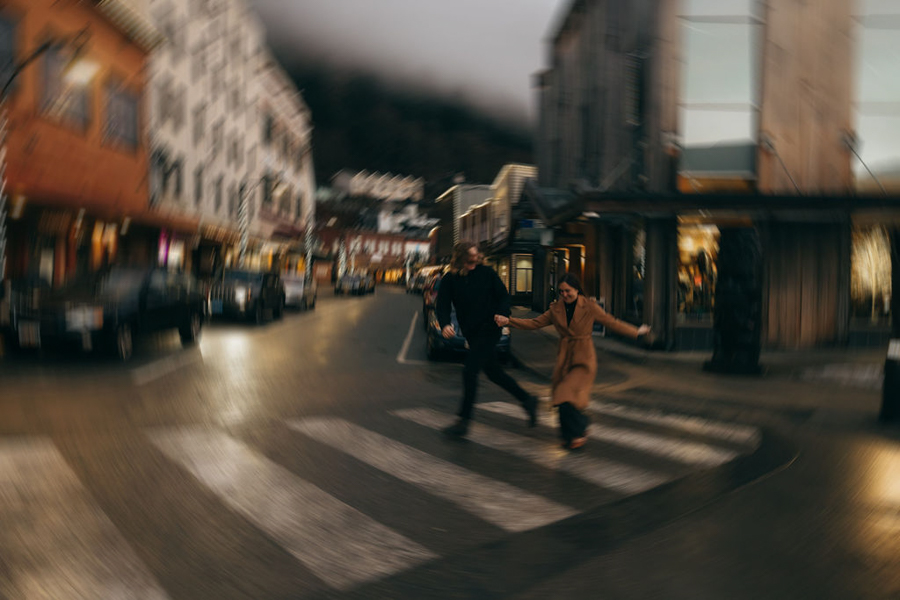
point(482, 356)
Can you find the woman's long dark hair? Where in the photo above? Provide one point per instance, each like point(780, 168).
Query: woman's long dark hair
point(571, 281)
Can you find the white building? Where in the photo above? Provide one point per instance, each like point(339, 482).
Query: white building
point(286, 152)
point(379, 186)
point(208, 121)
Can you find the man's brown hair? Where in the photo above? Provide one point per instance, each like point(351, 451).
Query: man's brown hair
point(461, 255)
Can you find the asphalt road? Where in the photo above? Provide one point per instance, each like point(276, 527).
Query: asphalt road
point(302, 458)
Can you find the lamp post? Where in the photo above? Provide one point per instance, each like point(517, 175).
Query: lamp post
point(77, 43)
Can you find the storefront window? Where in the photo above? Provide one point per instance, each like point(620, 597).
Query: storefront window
point(870, 274)
point(639, 257)
point(698, 249)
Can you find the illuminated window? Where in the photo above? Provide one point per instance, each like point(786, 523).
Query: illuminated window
point(698, 249)
point(870, 274)
point(523, 273)
point(71, 103)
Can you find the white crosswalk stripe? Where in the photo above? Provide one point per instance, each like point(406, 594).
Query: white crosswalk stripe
point(339, 544)
point(730, 432)
point(679, 450)
point(502, 504)
point(604, 473)
point(55, 542)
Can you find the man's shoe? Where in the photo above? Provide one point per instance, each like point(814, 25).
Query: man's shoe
point(458, 429)
point(531, 408)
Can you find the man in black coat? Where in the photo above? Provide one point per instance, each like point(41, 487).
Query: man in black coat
point(478, 294)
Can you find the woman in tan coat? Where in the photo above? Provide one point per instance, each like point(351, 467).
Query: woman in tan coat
point(576, 361)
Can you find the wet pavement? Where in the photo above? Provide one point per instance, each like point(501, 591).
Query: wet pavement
point(302, 458)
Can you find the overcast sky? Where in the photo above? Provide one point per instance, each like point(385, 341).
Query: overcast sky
point(484, 51)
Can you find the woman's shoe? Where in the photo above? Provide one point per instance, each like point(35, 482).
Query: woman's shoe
point(577, 443)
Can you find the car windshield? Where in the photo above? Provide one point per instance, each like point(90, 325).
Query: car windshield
point(120, 281)
point(243, 276)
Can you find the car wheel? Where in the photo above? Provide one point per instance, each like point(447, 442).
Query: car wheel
point(312, 304)
point(258, 315)
point(303, 304)
point(190, 331)
point(278, 311)
point(124, 341)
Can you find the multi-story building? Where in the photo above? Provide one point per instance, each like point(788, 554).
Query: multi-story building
point(665, 125)
point(229, 134)
point(511, 243)
point(287, 208)
point(76, 152)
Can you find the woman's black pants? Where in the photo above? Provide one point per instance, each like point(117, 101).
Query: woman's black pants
point(572, 422)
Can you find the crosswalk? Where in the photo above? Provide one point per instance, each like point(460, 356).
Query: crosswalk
point(58, 543)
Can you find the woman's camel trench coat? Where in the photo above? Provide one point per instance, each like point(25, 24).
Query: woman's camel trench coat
point(576, 360)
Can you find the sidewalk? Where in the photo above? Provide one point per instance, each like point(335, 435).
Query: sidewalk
point(844, 382)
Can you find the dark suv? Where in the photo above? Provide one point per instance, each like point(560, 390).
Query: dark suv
point(247, 295)
point(112, 307)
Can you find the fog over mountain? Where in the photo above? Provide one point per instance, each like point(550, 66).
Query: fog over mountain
point(415, 87)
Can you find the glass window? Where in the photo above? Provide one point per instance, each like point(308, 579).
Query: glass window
point(877, 111)
point(71, 103)
point(121, 116)
point(198, 185)
point(720, 78)
point(218, 195)
point(870, 274)
point(523, 273)
point(698, 249)
point(7, 49)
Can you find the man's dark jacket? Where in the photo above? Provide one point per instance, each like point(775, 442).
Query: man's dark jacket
point(477, 296)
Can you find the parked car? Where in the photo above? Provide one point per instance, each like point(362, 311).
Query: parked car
point(112, 307)
point(429, 296)
point(437, 347)
point(367, 284)
point(247, 295)
point(347, 284)
point(299, 292)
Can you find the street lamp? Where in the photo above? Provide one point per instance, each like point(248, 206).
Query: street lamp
point(77, 72)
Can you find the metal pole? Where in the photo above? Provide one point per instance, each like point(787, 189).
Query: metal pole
point(244, 224)
point(308, 242)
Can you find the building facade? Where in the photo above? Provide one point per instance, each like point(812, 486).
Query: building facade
point(76, 150)
point(665, 124)
point(230, 138)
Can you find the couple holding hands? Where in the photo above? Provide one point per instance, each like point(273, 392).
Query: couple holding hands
point(482, 307)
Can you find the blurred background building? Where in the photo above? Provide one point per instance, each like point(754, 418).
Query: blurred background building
point(662, 122)
point(174, 139)
point(76, 150)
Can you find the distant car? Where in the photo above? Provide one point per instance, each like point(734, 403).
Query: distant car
point(347, 284)
point(437, 347)
point(247, 295)
point(112, 307)
point(299, 292)
point(367, 284)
